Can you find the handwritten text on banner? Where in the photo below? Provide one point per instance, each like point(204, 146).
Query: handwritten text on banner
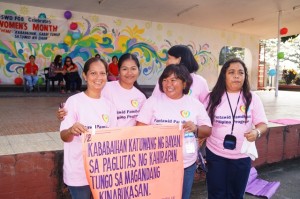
point(135, 162)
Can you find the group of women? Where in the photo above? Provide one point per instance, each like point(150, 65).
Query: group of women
point(231, 109)
point(67, 71)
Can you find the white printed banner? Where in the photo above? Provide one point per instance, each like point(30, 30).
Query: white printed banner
point(32, 30)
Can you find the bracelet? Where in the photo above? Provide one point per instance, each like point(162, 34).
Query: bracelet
point(196, 132)
point(258, 133)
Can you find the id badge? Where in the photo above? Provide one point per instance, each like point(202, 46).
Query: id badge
point(189, 142)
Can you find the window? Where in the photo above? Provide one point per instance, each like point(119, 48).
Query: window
point(228, 52)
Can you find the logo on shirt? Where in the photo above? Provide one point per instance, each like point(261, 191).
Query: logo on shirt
point(243, 108)
point(105, 118)
point(185, 114)
point(134, 103)
point(190, 92)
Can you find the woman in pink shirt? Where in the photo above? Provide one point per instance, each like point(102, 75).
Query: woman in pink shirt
point(175, 106)
point(125, 93)
point(181, 54)
point(85, 110)
point(234, 110)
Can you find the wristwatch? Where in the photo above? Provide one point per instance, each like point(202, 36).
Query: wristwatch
point(258, 133)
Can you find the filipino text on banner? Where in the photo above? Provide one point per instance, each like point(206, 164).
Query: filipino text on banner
point(134, 162)
point(32, 30)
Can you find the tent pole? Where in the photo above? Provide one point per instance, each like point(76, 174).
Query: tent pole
point(278, 50)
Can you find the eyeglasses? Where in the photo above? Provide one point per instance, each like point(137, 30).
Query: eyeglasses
point(68, 60)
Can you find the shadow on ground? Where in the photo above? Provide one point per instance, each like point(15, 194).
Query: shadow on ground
point(287, 173)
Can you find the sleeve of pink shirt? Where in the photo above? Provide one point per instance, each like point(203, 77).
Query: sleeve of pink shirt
point(156, 92)
point(106, 91)
point(258, 111)
point(113, 116)
point(202, 85)
point(203, 118)
point(107, 94)
point(71, 116)
point(146, 112)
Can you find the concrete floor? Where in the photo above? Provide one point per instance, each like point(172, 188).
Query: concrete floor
point(287, 172)
point(26, 113)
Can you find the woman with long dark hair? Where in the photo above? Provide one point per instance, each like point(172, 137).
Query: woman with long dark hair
point(234, 110)
point(125, 93)
point(181, 54)
point(72, 76)
point(56, 71)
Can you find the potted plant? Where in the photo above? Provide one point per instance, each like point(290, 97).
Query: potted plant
point(289, 75)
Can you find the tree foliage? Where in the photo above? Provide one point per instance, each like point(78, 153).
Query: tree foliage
point(290, 46)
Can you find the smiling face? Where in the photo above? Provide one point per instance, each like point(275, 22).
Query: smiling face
point(235, 77)
point(173, 87)
point(129, 72)
point(95, 77)
point(115, 60)
point(31, 59)
point(68, 61)
point(172, 60)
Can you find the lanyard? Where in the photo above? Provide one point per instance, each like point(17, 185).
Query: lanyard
point(233, 115)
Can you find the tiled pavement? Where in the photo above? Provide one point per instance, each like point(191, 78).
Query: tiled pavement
point(26, 115)
point(32, 115)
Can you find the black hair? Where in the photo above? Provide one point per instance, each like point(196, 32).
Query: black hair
point(180, 72)
point(186, 57)
point(220, 88)
point(125, 57)
point(98, 55)
point(31, 56)
point(56, 61)
point(88, 63)
point(114, 57)
point(68, 57)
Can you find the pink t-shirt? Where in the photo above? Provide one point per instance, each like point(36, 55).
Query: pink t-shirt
point(163, 110)
point(199, 88)
point(128, 102)
point(89, 112)
point(223, 123)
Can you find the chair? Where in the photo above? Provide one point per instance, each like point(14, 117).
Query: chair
point(25, 83)
point(48, 79)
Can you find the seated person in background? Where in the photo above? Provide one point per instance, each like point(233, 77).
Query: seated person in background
point(30, 73)
point(98, 56)
point(71, 75)
point(56, 71)
point(113, 71)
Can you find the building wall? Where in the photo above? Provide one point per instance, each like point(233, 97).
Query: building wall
point(114, 36)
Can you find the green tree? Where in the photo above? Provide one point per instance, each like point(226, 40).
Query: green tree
point(290, 46)
point(228, 52)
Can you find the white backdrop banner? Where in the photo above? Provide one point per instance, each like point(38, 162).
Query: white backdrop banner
point(32, 30)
